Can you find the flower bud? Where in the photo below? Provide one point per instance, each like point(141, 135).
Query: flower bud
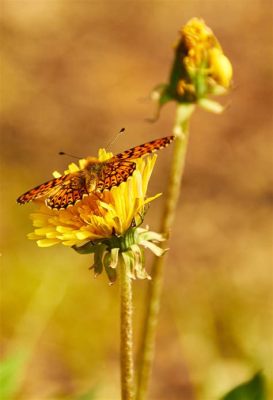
point(200, 68)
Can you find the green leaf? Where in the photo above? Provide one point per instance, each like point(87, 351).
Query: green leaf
point(10, 376)
point(254, 389)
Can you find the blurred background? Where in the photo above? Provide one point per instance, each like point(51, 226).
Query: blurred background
point(72, 74)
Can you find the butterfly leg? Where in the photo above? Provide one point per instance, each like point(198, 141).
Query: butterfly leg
point(99, 195)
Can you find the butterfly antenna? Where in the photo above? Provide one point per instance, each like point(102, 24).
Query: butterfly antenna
point(113, 140)
point(62, 153)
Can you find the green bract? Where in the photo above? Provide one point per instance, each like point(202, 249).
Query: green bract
point(128, 246)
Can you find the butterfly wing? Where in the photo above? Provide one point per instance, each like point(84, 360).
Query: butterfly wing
point(114, 173)
point(143, 149)
point(69, 192)
point(68, 189)
point(59, 192)
point(42, 190)
point(118, 168)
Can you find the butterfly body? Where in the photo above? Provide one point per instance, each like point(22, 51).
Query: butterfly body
point(95, 177)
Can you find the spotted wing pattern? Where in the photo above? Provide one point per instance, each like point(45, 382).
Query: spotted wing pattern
point(41, 190)
point(59, 192)
point(114, 173)
point(66, 190)
point(143, 149)
point(72, 190)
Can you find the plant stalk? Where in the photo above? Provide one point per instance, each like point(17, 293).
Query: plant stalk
point(146, 354)
point(126, 333)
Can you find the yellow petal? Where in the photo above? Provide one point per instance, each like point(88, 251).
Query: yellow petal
point(220, 66)
point(95, 217)
point(47, 242)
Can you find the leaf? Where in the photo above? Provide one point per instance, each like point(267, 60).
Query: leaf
point(254, 389)
point(10, 376)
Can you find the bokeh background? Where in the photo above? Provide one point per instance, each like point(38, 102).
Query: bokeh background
point(72, 74)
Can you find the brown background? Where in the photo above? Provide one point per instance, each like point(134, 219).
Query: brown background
point(72, 74)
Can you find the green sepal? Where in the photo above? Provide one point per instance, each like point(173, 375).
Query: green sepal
point(211, 106)
point(114, 258)
point(139, 269)
point(87, 248)
point(178, 73)
point(128, 258)
point(198, 85)
point(200, 82)
point(218, 90)
point(110, 271)
point(107, 252)
point(165, 92)
point(98, 259)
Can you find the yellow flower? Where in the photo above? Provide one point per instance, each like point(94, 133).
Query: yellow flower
point(204, 55)
point(195, 34)
point(200, 68)
point(94, 218)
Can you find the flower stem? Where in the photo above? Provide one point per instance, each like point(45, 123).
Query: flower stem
point(146, 355)
point(126, 333)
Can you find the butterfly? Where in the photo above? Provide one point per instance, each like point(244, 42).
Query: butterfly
point(95, 177)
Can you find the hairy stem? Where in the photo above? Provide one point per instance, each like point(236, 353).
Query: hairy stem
point(146, 355)
point(126, 333)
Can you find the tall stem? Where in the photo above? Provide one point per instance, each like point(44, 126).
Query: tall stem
point(146, 355)
point(126, 333)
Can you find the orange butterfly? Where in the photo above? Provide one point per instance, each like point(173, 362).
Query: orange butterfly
point(95, 177)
